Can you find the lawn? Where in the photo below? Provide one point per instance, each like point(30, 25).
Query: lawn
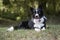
point(51, 33)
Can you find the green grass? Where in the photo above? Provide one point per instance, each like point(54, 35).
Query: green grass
point(51, 33)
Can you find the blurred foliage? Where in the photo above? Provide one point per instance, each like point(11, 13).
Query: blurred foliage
point(20, 9)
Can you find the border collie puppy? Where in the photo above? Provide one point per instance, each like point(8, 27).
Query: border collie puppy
point(37, 22)
point(38, 18)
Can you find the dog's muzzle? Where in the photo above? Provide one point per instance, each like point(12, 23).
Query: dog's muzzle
point(37, 16)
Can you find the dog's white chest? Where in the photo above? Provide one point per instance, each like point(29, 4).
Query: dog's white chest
point(36, 21)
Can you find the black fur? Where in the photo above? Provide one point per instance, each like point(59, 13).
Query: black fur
point(24, 25)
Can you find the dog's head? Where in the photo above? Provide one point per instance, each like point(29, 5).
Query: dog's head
point(37, 13)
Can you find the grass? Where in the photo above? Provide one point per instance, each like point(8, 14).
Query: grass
point(51, 33)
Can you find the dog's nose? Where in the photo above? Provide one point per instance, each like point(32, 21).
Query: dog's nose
point(36, 16)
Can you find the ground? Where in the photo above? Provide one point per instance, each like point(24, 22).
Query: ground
point(51, 33)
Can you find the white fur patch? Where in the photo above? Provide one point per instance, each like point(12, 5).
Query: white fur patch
point(43, 28)
point(36, 14)
point(10, 29)
point(36, 29)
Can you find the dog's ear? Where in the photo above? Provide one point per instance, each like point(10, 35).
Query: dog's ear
point(40, 8)
point(31, 9)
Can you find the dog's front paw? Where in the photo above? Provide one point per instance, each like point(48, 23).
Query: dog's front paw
point(43, 28)
point(38, 30)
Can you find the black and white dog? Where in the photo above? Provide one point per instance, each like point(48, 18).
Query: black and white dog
point(38, 18)
point(37, 22)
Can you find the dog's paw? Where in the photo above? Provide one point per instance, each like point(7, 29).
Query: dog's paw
point(38, 30)
point(43, 28)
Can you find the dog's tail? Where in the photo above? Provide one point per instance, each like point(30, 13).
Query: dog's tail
point(10, 29)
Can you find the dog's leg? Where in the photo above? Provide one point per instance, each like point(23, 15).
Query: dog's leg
point(43, 28)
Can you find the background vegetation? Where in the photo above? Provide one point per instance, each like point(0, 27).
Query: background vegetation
point(17, 10)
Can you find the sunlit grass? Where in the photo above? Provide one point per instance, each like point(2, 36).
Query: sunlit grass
point(51, 33)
